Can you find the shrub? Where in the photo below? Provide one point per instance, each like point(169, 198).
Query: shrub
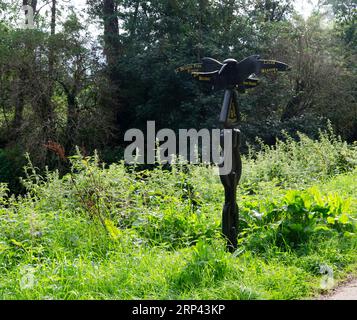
point(162, 206)
point(293, 163)
point(295, 219)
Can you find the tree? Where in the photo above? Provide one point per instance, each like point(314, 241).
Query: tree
point(272, 10)
point(77, 75)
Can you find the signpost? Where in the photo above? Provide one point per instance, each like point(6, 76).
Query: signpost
point(234, 77)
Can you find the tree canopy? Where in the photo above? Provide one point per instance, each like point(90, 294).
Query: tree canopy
point(62, 85)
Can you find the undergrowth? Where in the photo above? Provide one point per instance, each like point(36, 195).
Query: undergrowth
point(117, 233)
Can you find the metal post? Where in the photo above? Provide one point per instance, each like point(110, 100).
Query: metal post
point(229, 120)
point(234, 77)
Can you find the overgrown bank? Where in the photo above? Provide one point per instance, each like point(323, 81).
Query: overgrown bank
point(118, 234)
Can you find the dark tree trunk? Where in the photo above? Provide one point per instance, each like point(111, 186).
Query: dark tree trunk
point(294, 106)
point(113, 50)
point(111, 33)
point(21, 84)
point(19, 105)
point(34, 6)
point(72, 121)
point(47, 112)
point(20, 101)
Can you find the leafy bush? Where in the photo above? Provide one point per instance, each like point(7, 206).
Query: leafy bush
point(162, 206)
point(292, 221)
point(116, 232)
point(293, 163)
point(173, 207)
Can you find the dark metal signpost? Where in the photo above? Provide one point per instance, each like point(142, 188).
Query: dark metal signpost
point(233, 77)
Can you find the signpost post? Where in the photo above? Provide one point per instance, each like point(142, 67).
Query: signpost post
point(233, 77)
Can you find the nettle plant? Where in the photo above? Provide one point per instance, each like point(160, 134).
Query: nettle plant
point(3, 192)
point(295, 219)
point(292, 163)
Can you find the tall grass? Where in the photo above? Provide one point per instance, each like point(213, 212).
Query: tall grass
point(104, 233)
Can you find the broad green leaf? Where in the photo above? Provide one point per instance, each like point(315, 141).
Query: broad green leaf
point(343, 219)
point(331, 220)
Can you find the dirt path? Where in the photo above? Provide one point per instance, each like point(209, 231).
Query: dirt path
point(347, 291)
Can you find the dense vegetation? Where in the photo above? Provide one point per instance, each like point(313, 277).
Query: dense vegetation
point(75, 226)
point(84, 80)
point(116, 233)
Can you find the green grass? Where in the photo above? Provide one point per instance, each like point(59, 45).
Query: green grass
point(118, 234)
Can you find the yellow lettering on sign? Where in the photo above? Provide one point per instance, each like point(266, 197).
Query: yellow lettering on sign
point(253, 84)
point(204, 78)
point(267, 70)
point(269, 62)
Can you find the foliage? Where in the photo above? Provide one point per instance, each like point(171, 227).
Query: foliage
point(296, 219)
point(83, 229)
point(303, 162)
point(113, 232)
point(61, 83)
